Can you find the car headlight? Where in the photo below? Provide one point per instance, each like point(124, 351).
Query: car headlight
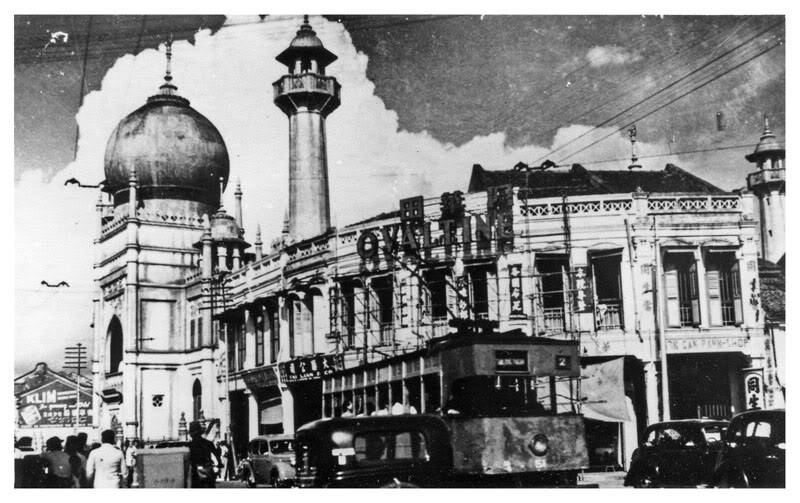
point(539, 445)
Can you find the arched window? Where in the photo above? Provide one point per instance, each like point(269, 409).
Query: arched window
point(197, 400)
point(114, 346)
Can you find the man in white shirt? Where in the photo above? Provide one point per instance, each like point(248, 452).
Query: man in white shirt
point(106, 464)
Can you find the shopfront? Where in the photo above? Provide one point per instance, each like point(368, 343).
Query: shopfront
point(706, 385)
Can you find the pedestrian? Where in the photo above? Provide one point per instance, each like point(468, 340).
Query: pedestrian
point(59, 473)
point(106, 466)
point(223, 458)
point(77, 461)
point(83, 444)
point(201, 457)
point(130, 460)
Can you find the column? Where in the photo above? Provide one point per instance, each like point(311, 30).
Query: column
point(702, 288)
point(651, 392)
point(252, 411)
point(288, 411)
point(776, 240)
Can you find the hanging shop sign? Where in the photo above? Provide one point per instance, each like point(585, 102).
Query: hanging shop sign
point(53, 405)
point(583, 298)
point(473, 233)
point(260, 378)
point(310, 368)
point(754, 388)
point(515, 290)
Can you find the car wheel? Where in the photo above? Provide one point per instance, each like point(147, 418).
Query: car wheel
point(645, 480)
point(733, 478)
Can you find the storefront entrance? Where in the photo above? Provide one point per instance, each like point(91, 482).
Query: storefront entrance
point(705, 385)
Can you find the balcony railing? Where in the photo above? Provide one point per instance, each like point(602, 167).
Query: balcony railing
point(386, 333)
point(307, 82)
point(728, 314)
point(553, 319)
point(609, 316)
point(766, 176)
point(113, 381)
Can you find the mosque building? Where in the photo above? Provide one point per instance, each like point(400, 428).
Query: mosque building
point(654, 273)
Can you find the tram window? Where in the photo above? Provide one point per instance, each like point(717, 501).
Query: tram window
point(500, 396)
point(327, 410)
point(370, 409)
point(397, 397)
point(383, 400)
point(432, 398)
point(412, 386)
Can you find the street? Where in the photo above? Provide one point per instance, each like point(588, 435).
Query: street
point(592, 479)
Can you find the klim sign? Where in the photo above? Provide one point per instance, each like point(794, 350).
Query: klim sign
point(456, 228)
point(53, 405)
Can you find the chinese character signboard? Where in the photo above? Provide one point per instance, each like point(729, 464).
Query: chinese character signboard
point(309, 368)
point(53, 405)
point(754, 388)
point(515, 289)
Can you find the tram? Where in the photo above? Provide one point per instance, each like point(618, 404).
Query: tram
point(511, 403)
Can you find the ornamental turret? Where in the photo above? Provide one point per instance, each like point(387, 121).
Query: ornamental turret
point(306, 95)
point(769, 184)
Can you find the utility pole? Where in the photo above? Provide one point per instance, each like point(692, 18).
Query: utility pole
point(75, 357)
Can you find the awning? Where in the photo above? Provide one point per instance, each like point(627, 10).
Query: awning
point(271, 412)
point(603, 391)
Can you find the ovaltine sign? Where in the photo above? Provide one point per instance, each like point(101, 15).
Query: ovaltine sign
point(473, 233)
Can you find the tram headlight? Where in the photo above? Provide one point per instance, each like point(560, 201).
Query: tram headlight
point(539, 445)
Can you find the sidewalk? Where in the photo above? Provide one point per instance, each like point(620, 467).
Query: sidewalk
point(602, 479)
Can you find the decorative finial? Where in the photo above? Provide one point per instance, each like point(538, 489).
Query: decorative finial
point(632, 135)
point(305, 18)
point(766, 125)
point(221, 190)
point(258, 233)
point(238, 187)
point(168, 87)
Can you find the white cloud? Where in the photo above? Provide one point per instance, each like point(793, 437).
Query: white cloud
point(227, 76)
point(611, 55)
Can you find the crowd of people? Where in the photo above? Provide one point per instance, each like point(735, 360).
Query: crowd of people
point(109, 464)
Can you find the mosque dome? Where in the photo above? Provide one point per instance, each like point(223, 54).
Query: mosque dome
point(175, 151)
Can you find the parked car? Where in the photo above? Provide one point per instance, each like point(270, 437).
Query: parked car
point(677, 453)
point(754, 452)
point(376, 451)
point(270, 460)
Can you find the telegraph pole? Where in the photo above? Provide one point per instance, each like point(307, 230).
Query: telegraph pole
point(75, 357)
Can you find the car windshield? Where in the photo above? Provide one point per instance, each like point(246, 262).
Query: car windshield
point(673, 435)
point(281, 446)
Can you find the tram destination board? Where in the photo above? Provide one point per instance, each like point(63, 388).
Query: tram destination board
point(511, 361)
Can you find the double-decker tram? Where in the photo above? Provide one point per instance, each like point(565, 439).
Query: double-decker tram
point(511, 403)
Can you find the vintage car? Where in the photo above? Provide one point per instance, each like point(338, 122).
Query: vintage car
point(409, 450)
point(754, 451)
point(678, 453)
point(270, 460)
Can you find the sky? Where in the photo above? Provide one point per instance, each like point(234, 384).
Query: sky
point(423, 99)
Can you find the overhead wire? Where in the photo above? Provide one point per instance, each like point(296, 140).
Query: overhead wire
point(673, 100)
point(683, 78)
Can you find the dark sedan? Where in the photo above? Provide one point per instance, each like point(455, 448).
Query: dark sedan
point(677, 453)
point(754, 453)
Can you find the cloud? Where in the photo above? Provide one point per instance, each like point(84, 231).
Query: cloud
point(611, 55)
point(227, 77)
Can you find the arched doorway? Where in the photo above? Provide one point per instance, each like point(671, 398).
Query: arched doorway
point(113, 346)
point(197, 400)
